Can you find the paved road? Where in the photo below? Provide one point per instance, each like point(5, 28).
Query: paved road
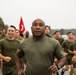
point(66, 73)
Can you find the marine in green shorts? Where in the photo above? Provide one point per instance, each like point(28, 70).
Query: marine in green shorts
point(73, 48)
point(65, 46)
point(8, 48)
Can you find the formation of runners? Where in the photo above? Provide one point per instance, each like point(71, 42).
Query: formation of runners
point(36, 54)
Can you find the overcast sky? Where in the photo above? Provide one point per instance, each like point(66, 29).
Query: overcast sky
point(56, 13)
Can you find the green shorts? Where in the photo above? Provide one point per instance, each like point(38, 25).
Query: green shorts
point(9, 70)
point(69, 59)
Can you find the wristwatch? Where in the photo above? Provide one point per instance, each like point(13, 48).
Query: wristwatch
point(58, 66)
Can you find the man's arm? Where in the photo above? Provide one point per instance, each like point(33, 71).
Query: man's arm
point(62, 61)
point(70, 51)
point(6, 58)
point(54, 68)
point(74, 58)
point(18, 62)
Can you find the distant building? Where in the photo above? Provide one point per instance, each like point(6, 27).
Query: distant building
point(65, 37)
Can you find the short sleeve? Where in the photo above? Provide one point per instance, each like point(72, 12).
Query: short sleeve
point(58, 52)
point(71, 47)
point(20, 53)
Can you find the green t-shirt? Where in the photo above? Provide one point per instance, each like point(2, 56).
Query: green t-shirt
point(60, 40)
point(38, 54)
point(66, 45)
point(73, 46)
point(9, 48)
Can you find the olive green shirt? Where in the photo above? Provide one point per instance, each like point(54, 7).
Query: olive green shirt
point(66, 45)
point(60, 40)
point(9, 48)
point(38, 54)
point(73, 46)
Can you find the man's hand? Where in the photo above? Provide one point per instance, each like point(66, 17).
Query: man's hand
point(7, 59)
point(20, 72)
point(65, 54)
point(55, 60)
point(74, 58)
point(53, 69)
point(74, 52)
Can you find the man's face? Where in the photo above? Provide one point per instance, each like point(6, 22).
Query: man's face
point(17, 34)
point(47, 30)
point(3, 32)
point(38, 28)
point(11, 32)
point(70, 35)
point(58, 35)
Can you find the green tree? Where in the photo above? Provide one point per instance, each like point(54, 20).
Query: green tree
point(1, 23)
point(62, 31)
point(6, 27)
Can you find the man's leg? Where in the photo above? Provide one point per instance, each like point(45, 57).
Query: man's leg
point(66, 68)
point(71, 69)
point(0, 64)
point(74, 70)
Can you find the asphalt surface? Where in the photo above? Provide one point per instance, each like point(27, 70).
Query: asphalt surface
point(66, 73)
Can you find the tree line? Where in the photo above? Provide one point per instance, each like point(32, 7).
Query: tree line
point(62, 31)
